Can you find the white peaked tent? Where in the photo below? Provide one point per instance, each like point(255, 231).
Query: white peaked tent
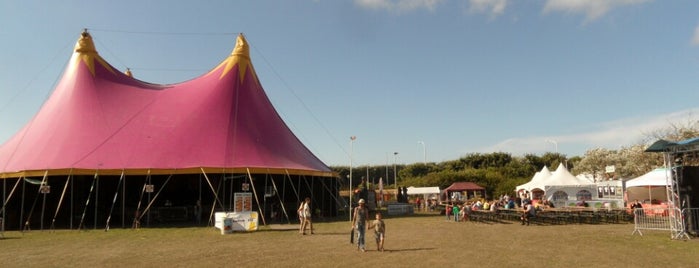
point(536, 182)
point(562, 186)
point(649, 186)
point(563, 177)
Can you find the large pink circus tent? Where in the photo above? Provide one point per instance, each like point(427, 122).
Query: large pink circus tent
point(100, 121)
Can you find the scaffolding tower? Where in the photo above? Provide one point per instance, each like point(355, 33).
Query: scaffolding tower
point(677, 155)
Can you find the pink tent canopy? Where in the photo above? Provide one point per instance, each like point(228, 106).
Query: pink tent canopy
point(99, 120)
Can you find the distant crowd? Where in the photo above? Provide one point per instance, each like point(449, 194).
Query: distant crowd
point(460, 211)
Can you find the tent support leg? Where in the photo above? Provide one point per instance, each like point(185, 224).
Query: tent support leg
point(291, 182)
point(280, 201)
point(259, 208)
point(97, 193)
point(216, 199)
point(337, 201)
point(87, 202)
point(137, 215)
point(310, 188)
point(284, 197)
point(123, 204)
point(60, 201)
point(147, 209)
point(116, 194)
point(7, 199)
point(36, 199)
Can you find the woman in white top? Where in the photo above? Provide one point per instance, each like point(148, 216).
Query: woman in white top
point(305, 216)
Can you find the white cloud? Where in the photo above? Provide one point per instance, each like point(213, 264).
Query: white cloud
point(493, 7)
point(611, 135)
point(695, 38)
point(593, 9)
point(398, 5)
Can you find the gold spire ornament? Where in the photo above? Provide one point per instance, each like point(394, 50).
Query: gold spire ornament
point(85, 51)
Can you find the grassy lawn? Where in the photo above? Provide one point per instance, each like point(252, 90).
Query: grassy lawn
point(415, 241)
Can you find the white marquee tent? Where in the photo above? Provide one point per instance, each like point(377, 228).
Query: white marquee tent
point(562, 186)
point(536, 182)
point(423, 190)
point(649, 186)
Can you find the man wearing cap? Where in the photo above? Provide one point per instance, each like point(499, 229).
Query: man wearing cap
point(361, 215)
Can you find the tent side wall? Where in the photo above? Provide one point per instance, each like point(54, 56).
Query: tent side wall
point(90, 199)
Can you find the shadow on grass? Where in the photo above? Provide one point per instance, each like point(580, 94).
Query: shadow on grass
point(407, 249)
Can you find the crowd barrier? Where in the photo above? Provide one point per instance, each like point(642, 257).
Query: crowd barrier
point(555, 216)
point(680, 223)
point(400, 209)
point(691, 216)
point(653, 219)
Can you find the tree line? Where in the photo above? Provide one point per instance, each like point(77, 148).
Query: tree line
point(501, 172)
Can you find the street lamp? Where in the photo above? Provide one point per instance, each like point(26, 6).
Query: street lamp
point(424, 152)
point(352, 138)
point(395, 156)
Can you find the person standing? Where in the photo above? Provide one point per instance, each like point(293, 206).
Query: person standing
point(637, 208)
point(379, 231)
point(455, 211)
point(306, 216)
point(528, 213)
point(299, 212)
point(197, 212)
point(447, 210)
point(359, 219)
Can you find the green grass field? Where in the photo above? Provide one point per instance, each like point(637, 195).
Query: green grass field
point(415, 241)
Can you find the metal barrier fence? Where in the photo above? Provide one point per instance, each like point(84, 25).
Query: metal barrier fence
point(653, 219)
point(691, 219)
point(400, 209)
point(680, 223)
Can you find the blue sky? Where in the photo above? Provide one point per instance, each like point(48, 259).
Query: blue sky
point(459, 77)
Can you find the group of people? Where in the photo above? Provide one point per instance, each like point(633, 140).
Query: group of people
point(460, 212)
point(425, 204)
point(360, 223)
point(304, 213)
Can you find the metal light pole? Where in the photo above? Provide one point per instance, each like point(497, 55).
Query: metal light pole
point(387, 168)
point(352, 138)
point(395, 176)
point(555, 143)
point(424, 152)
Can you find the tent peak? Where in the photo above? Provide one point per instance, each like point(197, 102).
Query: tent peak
point(85, 50)
point(85, 44)
point(242, 49)
point(240, 56)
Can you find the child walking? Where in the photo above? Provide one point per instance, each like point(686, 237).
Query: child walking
point(379, 231)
